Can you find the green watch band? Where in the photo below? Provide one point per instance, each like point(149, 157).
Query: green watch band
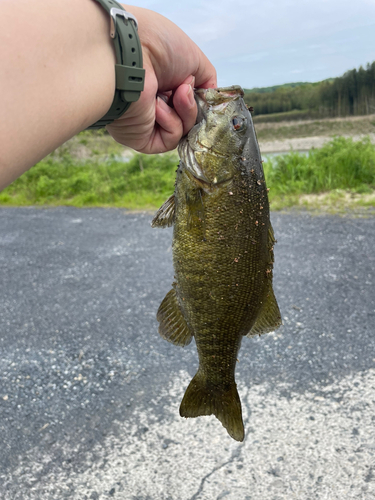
point(130, 75)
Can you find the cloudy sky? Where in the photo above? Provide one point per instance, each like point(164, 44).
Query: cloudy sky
point(270, 42)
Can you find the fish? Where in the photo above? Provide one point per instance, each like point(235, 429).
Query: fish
point(222, 252)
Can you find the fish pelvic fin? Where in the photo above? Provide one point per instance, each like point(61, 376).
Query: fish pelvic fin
point(269, 317)
point(164, 217)
point(172, 324)
point(203, 398)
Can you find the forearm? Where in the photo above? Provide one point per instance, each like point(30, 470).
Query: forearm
point(60, 61)
point(57, 77)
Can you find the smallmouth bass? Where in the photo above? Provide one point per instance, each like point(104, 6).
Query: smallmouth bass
point(222, 252)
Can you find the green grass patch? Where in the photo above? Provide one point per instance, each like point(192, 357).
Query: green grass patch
point(142, 182)
point(340, 166)
point(341, 173)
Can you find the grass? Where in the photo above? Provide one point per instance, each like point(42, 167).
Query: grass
point(341, 173)
point(141, 182)
point(341, 168)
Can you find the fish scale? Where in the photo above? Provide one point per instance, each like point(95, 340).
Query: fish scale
point(222, 253)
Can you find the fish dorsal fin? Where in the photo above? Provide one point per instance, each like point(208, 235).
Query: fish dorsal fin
point(269, 317)
point(164, 217)
point(173, 326)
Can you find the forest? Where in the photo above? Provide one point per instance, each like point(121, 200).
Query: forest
point(350, 94)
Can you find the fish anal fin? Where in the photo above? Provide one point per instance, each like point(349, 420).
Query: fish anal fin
point(173, 326)
point(269, 317)
point(202, 398)
point(164, 217)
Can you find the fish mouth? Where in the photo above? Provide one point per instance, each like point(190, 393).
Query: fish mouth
point(219, 95)
point(217, 99)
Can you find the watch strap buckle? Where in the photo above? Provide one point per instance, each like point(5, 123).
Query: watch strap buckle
point(122, 13)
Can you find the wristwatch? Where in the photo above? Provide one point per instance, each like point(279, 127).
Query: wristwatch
point(130, 75)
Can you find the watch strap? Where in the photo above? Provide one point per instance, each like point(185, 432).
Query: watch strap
point(130, 74)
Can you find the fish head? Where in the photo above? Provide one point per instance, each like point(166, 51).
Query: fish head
point(222, 137)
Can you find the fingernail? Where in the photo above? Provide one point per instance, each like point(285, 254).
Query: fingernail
point(190, 96)
point(162, 104)
point(163, 98)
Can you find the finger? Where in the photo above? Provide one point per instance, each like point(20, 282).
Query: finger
point(169, 130)
point(185, 105)
point(205, 75)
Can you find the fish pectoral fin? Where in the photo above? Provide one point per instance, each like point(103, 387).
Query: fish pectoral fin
point(196, 212)
point(164, 217)
point(173, 326)
point(269, 317)
point(201, 398)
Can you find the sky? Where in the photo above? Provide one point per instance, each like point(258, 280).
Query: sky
point(269, 42)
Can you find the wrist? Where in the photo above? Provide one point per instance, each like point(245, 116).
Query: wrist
point(129, 66)
point(103, 52)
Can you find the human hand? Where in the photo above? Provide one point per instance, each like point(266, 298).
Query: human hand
point(174, 65)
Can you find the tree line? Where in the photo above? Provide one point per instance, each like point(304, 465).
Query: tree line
point(350, 94)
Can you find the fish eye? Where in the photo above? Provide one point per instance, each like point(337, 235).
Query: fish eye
point(238, 123)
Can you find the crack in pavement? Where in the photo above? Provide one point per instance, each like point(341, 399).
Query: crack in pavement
point(235, 454)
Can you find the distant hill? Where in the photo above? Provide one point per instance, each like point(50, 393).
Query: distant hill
point(264, 90)
point(350, 94)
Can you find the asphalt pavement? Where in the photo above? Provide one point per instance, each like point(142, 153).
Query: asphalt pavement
point(89, 392)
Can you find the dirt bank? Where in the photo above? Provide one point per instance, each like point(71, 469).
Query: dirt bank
point(302, 143)
point(307, 134)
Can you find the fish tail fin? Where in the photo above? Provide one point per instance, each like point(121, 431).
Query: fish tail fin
point(203, 398)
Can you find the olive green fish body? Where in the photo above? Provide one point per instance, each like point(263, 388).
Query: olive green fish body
point(214, 260)
point(222, 254)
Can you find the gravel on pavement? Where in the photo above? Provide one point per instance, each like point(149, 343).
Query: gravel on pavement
point(89, 392)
